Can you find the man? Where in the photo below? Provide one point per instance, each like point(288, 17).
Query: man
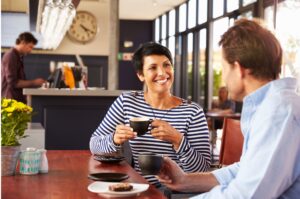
point(12, 71)
point(270, 122)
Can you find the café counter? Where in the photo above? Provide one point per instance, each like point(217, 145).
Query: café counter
point(69, 117)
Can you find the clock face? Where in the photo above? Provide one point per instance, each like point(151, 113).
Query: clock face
point(84, 27)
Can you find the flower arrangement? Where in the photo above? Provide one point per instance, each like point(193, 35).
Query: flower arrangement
point(14, 118)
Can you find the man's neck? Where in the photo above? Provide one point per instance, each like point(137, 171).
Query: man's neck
point(252, 84)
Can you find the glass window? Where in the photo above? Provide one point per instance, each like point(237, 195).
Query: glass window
point(218, 8)
point(232, 5)
point(269, 17)
point(248, 15)
point(172, 22)
point(182, 17)
point(247, 2)
point(202, 11)
point(190, 65)
point(171, 46)
point(202, 59)
point(157, 30)
point(164, 42)
point(289, 37)
point(219, 27)
point(164, 26)
point(192, 14)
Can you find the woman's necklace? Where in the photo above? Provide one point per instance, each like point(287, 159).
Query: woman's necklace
point(161, 118)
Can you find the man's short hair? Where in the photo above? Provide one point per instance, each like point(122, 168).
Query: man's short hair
point(253, 47)
point(27, 37)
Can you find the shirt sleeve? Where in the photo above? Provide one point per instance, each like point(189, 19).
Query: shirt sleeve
point(11, 69)
point(102, 139)
point(269, 167)
point(194, 150)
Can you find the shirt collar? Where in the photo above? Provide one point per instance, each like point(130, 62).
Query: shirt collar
point(257, 96)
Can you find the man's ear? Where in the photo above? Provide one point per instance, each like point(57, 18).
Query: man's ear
point(140, 76)
point(242, 72)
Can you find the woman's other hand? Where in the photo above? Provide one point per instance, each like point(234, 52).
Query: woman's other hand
point(122, 134)
point(162, 130)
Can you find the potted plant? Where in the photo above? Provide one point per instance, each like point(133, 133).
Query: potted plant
point(14, 118)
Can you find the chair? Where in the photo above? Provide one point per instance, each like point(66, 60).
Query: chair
point(232, 142)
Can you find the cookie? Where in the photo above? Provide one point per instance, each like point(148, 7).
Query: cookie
point(120, 187)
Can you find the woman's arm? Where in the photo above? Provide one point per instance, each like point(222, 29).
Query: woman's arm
point(194, 151)
point(102, 139)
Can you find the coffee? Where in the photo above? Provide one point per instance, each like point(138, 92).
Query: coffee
point(140, 124)
point(150, 163)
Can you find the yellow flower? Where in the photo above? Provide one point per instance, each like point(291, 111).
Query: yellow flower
point(9, 109)
point(14, 118)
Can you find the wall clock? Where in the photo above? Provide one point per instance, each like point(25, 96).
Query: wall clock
point(84, 27)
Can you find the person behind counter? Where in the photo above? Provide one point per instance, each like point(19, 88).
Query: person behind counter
point(179, 128)
point(12, 71)
point(270, 122)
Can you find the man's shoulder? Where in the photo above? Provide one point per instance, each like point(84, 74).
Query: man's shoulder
point(10, 53)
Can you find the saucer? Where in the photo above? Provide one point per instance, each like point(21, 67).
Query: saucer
point(109, 159)
point(108, 177)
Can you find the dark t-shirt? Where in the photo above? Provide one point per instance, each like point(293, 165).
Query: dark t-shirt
point(12, 70)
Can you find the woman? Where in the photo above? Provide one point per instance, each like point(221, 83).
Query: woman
point(179, 129)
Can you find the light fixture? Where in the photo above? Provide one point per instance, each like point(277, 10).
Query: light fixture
point(57, 17)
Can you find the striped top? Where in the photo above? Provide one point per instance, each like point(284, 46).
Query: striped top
point(193, 153)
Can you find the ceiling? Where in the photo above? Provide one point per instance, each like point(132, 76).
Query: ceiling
point(128, 9)
point(145, 9)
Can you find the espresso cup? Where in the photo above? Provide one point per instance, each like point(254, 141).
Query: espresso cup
point(150, 163)
point(140, 124)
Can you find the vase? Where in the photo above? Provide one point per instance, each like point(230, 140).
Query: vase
point(9, 159)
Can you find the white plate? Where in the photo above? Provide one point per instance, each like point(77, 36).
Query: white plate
point(102, 188)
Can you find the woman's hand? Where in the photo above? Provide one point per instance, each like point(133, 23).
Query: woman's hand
point(162, 130)
point(122, 134)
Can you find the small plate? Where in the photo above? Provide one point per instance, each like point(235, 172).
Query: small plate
point(102, 189)
point(108, 177)
point(109, 159)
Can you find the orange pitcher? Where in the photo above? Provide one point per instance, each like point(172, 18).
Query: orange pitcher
point(69, 77)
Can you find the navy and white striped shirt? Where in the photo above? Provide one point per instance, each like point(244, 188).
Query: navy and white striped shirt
point(193, 153)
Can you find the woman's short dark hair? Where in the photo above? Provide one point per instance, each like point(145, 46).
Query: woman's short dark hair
point(253, 47)
point(146, 49)
point(27, 37)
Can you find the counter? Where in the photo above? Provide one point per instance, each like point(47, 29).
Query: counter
point(69, 117)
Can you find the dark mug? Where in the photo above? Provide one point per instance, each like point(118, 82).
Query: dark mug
point(150, 163)
point(140, 124)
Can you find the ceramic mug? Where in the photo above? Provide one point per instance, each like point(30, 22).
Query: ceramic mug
point(150, 163)
point(140, 124)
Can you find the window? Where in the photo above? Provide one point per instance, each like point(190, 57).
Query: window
point(157, 29)
point(247, 2)
point(163, 26)
point(192, 14)
point(201, 70)
point(172, 22)
point(190, 65)
point(218, 8)
point(288, 35)
point(219, 27)
point(182, 18)
point(232, 5)
point(202, 14)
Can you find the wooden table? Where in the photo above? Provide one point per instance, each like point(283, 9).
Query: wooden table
point(214, 116)
point(67, 178)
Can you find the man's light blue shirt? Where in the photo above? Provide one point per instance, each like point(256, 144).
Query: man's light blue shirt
point(270, 162)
